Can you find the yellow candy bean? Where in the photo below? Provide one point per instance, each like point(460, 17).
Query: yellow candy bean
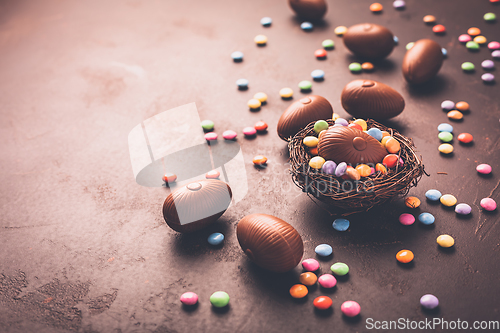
point(262, 97)
point(260, 39)
point(286, 92)
point(316, 162)
point(364, 170)
point(448, 200)
point(310, 141)
point(445, 148)
point(254, 103)
point(445, 241)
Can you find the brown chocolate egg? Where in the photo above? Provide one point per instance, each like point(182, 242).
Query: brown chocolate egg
point(309, 9)
point(350, 145)
point(371, 99)
point(422, 62)
point(196, 205)
point(369, 40)
point(301, 113)
point(270, 242)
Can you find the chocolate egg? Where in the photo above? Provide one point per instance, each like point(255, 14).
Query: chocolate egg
point(270, 242)
point(309, 9)
point(196, 205)
point(369, 40)
point(350, 145)
point(422, 62)
point(371, 99)
point(301, 113)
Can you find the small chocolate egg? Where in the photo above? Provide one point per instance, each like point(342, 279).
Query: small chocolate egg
point(369, 40)
point(301, 113)
point(309, 9)
point(422, 62)
point(270, 242)
point(196, 205)
point(347, 144)
point(371, 99)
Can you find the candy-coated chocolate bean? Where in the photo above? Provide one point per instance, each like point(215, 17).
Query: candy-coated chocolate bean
point(448, 200)
point(327, 281)
point(259, 160)
point(323, 250)
point(473, 31)
point(254, 104)
point(392, 145)
point(229, 135)
point(445, 148)
point(249, 131)
point(216, 238)
point(488, 204)
point(433, 195)
point(445, 241)
point(310, 265)
point(445, 127)
point(316, 162)
point(189, 298)
point(426, 218)
point(298, 291)
point(260, 126)
point(429, 301)
point(363, 170)
point(445, 136)
point(341, 169)
point(448, 105)
point(350, 308)
point(308, 278)
point(484, 169)
point(465, 137)
point(376, 7)
point(375, 133)
point(404, 256)
point(380, 167)
point(219, 299)
point(320, 125)
point(214, 174)
point(314, 151)
point(207, 125)
point(320, 53)
point(390, 160)
point(260, 96)
point(260, 40)
point(412, 202)
point(429, 19)
point(322, 302)
point(169, 177)
point(286, 93)
point(340, 30)
point(406, 219)
point(341, 224)
point(367, 66)
point(329, 167)
point(212, 136)
point(353, 174)
point(463, 209)
point(339, 268)
point(455, 115)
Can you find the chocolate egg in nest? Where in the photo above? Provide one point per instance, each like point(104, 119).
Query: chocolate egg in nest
point(350, 145)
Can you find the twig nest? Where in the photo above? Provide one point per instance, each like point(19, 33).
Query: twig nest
point(301, 113)
point(309, 9)
point(371, 99)
point(369, 40)
point(196, 205)
point(270, 242)
point(350, 145)
point(422, 62)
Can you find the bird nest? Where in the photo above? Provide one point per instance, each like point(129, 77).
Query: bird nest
point(355, 196)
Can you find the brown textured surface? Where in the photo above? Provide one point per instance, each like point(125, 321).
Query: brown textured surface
point(371, 99)
point(309, 9)
point(341, 144)
point(369, 40)
point(270, 242)
point(211, 198)
point(77, 76)
point(301, 113)
point(422, 62)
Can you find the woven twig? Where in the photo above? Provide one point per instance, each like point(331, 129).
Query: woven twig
point(355, 196)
